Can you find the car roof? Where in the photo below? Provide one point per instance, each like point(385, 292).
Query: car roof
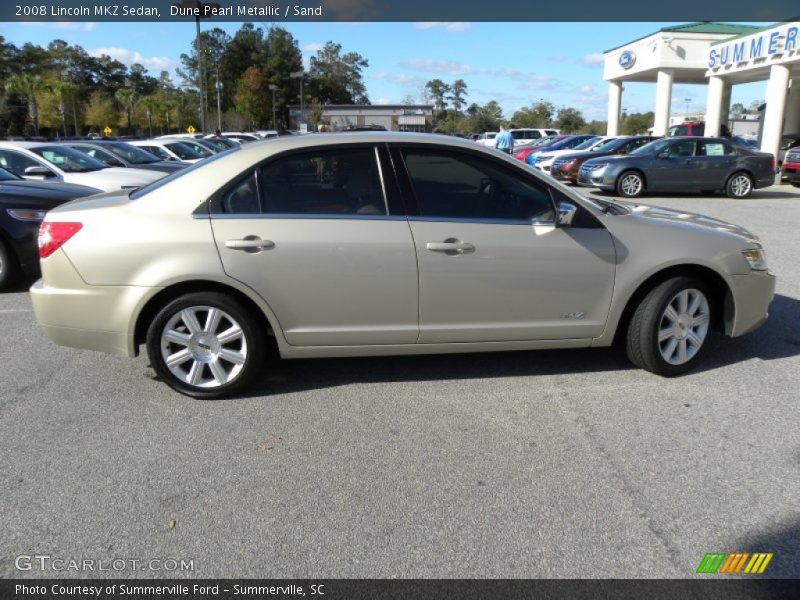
point(27, 145)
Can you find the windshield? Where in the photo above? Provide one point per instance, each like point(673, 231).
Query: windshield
point(6, 176)
point(139, 192)
point(69, 160)
point(185, 152)
point(587, 144)
point(130, 153)
point(611, 144)
point(225, 142)
point(651, 148)
point(215, 144)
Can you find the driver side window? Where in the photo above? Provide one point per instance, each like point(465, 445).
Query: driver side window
point(16, 163)
point(463, 186)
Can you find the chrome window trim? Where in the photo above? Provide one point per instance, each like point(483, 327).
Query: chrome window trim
point(318, 216)
point(479, 220)
point(380, 177)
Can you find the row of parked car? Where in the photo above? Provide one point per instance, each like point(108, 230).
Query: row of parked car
point(38, 176)
point(631, 165)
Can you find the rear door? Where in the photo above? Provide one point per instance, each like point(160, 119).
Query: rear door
point(713, 162)
point(492, 264)
point(311, 232)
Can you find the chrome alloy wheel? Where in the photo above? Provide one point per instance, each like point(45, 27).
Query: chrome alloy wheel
point(740, 186)
point(631, 184)
point(683, 326)
point(203, 346)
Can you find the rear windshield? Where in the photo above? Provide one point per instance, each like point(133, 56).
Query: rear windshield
point(69, 160)
point(144, 190)
point(130, 153)
point(183, 151)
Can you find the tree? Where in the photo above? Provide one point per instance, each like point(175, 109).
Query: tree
point(337, 78)
point(127, 98)
point(597, 127)
point(151, 106)
point(248, 99)
point(484, 118)
point(438, 91)
point(28, 86)
point(457, 92)
point(539, 115)
point(101, 112)
point(408, 100)
point(215, 44)
point(570, 120)
point(63, 91)
point(637, 123)
point(283, 59)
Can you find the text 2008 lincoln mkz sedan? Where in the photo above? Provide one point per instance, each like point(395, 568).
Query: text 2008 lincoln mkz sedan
point(380, 244)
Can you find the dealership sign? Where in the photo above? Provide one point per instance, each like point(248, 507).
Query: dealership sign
point(627, 59)
point(768, 43)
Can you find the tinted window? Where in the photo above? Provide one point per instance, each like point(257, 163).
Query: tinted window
point(634, 144)
point(69, 160)
point(7, 176)
point(16, 162)
point(337, 181)
point(468, 187)
point(551, 132)
point(157, 151)
point(183, 151)
point(714, 149)
point(684, 148)
point(100, 155)
point(242, 199)
point(132, 154)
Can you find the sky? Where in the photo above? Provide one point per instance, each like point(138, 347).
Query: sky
point(516, 64)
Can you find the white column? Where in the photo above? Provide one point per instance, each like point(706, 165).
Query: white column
point(726, 104)
point(772, 129)
point(792, 123)
point(614, 104)
point(716, 91)
point(663, 102)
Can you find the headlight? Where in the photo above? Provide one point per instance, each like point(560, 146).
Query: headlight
point(756, 258)
point(600, 167)
point(26, 214)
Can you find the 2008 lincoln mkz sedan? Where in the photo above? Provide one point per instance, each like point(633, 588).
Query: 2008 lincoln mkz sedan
point(379, 244)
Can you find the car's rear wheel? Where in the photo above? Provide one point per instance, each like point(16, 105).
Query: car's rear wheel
point(740, 185)
point(206, 345)
point(630, 184)
point(9, 268)
point(669, 330)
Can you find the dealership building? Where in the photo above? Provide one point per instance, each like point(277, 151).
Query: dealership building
point(720, 55)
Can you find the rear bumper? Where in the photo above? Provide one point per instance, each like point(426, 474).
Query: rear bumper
point(752, 295)
point(92, 317)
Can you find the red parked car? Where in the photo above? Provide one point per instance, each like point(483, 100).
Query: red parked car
point(522, 152)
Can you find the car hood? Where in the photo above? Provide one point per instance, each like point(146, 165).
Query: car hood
point(585, 154)
point(42, 193)
point(114, 178)
point(685, 219)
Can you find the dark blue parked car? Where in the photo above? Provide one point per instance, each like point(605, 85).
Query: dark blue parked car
point(681, 164)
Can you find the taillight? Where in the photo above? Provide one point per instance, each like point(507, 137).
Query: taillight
point(52, 236)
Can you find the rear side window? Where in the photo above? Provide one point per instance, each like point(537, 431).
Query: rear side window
point(714, 149)
point(462, 186)
point(335, 182)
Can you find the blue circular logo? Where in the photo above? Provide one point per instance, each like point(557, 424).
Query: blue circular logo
point(627, 59)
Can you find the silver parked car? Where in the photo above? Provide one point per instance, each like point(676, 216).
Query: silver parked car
point(380, 244)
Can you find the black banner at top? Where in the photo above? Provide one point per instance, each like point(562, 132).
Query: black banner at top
point(394, 10)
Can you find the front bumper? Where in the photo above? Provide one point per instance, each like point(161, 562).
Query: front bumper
point(590, 179)
point(751, 296)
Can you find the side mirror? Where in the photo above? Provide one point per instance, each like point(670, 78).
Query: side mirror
point(38, 172)
point(566, 212)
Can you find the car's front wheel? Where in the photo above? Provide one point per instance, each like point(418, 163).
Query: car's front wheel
point(669, 330)
point(630, 184)
point(740, 185)
point(206, 345)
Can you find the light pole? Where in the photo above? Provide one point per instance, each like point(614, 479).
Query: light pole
point(219, 104)
point(687, 100)
point(300, 75)
point(273, 89)
point(197, 6)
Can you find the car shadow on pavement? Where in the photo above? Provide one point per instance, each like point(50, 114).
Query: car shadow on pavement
point(784, 543)
point(778, 338)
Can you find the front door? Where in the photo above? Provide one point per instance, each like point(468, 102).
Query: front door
point(674, 168)
point(492, 264)
point(310, 232)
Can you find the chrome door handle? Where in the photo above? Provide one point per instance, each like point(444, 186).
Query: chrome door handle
point(250, 244)
point(450, 246)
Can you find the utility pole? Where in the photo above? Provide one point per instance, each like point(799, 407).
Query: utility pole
point(219, 104)
point(300, 75)
point(273, 88)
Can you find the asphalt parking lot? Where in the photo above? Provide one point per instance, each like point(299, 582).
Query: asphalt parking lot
point(535, 464)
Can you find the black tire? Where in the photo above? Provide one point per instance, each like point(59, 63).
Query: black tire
point(642, 344)
point(252, 345)
point(736, 182)
point(9, 266)
point(627, 191)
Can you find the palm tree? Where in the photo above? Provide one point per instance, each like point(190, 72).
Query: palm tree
point(27, 85)
point(168, 104)
point(151, 105)
point(63, 91)
point(127, 98)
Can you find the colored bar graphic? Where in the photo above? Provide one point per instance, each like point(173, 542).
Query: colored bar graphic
point(758, 563)
point(732, 562)
point(711, 562)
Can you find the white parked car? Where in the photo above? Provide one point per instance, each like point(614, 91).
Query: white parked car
point(524, 136)
point(487, 139)
point(544, 161)
point(42, 161)
point(171, 149)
